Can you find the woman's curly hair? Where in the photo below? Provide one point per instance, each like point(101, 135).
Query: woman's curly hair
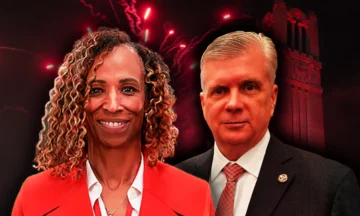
point(62, 140)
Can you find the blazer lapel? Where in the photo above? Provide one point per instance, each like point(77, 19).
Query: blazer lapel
point(203, 165)
point(151, 205)
point(155, 200)
point(75, 202)
point(269, 189)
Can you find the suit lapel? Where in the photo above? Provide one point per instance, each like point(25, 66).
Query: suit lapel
point(269, 189)
point(75, 202)
point(203, 165)
point(155, 200)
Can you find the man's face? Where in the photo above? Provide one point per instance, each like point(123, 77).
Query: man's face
point(238, 98)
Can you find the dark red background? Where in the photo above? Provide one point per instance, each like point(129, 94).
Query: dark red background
point(36, 33)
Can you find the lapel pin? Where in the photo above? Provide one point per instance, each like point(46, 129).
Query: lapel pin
point(282, 178)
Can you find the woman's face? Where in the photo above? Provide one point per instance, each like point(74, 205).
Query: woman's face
point(115, 108)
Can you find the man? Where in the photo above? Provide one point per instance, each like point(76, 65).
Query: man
point(250, 171)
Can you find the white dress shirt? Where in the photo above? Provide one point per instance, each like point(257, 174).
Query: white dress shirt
point(134, 193)
point(251, 161)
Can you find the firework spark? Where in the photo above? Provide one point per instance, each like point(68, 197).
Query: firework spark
point(181, 55)
point(131, 13)
point(146, 38)
point(98, 14)
point(115, 13)
point(178, 45)
point(147, 13)
point(163, 44)
point(16, 49)
point(164, 49)
point(135, 14)
point(14, 108)
point(171, 32)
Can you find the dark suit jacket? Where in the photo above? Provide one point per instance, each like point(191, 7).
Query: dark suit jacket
point(167, 191)
point(315, 185)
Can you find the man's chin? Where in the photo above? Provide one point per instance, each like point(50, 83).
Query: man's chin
point(237, 140)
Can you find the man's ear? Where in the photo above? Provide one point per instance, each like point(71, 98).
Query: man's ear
point(274, 94)
point(202, 100)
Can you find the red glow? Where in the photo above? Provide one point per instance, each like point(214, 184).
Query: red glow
point(171, 32)
point(147, 13)
point(182, 45)
point(226, 16)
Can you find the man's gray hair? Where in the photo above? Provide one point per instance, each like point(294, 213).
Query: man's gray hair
point(236, 43)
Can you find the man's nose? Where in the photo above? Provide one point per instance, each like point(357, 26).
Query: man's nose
point(234, 102)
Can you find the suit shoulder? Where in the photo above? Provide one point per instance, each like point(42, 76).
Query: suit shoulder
point(30, 190)
point(38, 180)
point(190, 160)
point(45, 181)
point(188, 164)
point(319, 164)
point(179, 177)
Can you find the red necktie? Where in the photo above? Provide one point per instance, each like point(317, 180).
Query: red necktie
point(225, 205)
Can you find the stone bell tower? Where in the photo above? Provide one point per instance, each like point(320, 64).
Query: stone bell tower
point(299, 112)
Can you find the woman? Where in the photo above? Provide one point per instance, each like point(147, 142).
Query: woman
point(107, 128)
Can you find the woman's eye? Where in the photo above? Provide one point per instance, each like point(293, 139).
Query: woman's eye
point(95, 90)
point(129, 89)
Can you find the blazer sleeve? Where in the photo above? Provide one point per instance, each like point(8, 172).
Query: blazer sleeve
point(209, 211)
point(347, 198)
point(18, 205)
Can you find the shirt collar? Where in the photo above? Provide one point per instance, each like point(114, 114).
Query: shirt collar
point(139, 178)
point(251, 161)
point(95, 188)
point(137, 185)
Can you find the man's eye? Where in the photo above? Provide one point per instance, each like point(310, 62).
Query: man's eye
point(218, 91)
point(250, 86)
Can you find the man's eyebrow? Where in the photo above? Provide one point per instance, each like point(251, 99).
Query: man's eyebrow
point(250, 80)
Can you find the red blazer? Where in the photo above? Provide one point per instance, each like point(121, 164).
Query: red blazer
point(167, 191)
